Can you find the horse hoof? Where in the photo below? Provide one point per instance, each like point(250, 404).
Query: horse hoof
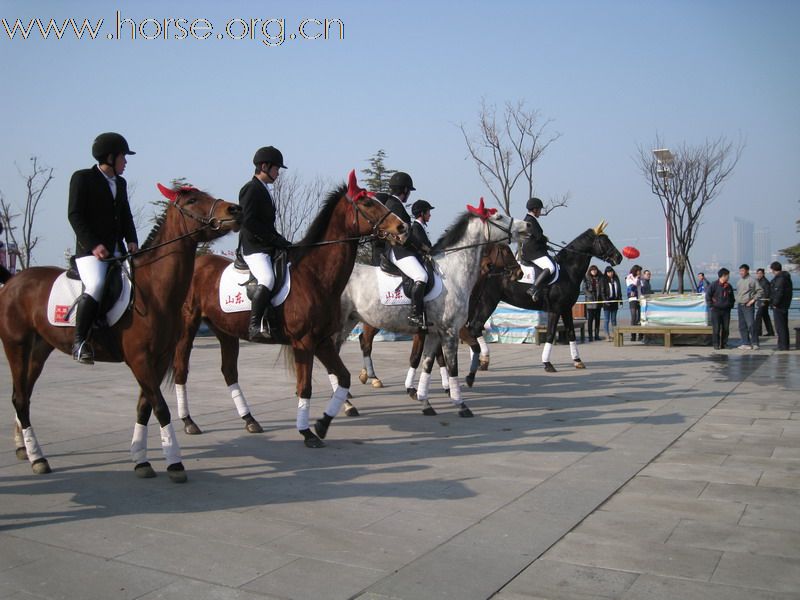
point(579, 364)
point(190, 427)
point(321, 428)
point(144, 471)
point(314, 442)
point(549, 367)
point(22, 454)
point(429, 412)
point(464, 411)
point(254, 427)
point(483, 364)
point(362, 376)
point(351, 411)
point(412, 392)
point(40, 466)
point(377, 383)
point(470, 379)
point(349, 396)
point(447, 391)
point(176, 473)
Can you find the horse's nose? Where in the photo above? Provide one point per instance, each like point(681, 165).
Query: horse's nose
point(234, 210)
point(401, 228)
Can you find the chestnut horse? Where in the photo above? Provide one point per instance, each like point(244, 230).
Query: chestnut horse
point(497, 261)
point(321, 265)
point(144, 338)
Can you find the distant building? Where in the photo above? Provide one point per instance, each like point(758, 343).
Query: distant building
point(763, 249)
point(742, 242)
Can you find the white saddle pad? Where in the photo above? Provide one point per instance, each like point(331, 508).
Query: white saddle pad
point(390, 289)
point(527, 275)
point(65, 292)
point(233, 295)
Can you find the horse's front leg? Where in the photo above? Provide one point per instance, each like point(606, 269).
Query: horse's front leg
point(304, 365)
point(365, 339)
point(180, 364)
point(26, 364)
point(449, 344)
point(552, 330)
point(327, 354)
point(414, 359)
point(443, 372)
point(151, 401)
point(229, 349)
point(428, 355)
point(569, 328)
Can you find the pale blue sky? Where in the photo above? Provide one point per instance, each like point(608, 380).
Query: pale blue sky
point(611, 76)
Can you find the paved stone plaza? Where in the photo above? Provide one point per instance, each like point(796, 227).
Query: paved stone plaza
point(651, 474)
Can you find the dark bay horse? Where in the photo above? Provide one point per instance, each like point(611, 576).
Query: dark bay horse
point(321, 265)
point(497, 261)
point(144, 338)
point(559, 298)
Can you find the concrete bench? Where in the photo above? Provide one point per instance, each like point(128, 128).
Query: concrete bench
point(541, 331)
point(666, 330)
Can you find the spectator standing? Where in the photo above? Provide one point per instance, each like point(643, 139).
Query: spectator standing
point(647, 288)
point(591, 290)
point(762, 306)
point(701, 283)
point(720, 300)
point(611, 294)
point(634, 291)
point(781, 299)
point(748, 293)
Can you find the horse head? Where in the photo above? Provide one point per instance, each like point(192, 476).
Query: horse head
point(202, 213)
point(602, 246)
point(498, 259)
point(371, 217)
point(499, 227)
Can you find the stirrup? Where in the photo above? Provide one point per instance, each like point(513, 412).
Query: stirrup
point(82, 352)
point(259, 335)
point(534, 293)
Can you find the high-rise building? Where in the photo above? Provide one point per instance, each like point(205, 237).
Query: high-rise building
point(763, 249)
point(742, 242)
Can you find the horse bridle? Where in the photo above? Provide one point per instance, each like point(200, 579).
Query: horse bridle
point(508, 231)
point(376, 230)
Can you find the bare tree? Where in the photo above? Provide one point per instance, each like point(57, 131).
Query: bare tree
point(297, 202)
point(686, 181)
point(36, 182)
point(506, 151)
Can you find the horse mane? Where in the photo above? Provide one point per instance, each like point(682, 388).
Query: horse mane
point(589, 233)
point(156, 228)
point(454, 233)
point(318, 226)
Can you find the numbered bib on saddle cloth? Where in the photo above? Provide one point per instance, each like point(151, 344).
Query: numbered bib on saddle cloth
point(236, 284)
point(394, 288)
point(530, 271)
point(67, 288)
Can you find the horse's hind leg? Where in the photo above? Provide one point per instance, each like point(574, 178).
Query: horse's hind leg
point(229, 348)
point(183, 351)
point(365, 340)
point(474, 351)
point(432, 347)
point(443, 370)
point(304, 364)
point(327, 354)
point(569, 329)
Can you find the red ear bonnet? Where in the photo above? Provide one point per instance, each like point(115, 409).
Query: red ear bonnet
point(483, 212)
point(354, 192)
point(167, 193)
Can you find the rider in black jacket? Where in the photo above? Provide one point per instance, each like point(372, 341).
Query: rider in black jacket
point(534, 250)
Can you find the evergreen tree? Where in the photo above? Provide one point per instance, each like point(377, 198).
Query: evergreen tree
point(793, 252)
point(377, 175)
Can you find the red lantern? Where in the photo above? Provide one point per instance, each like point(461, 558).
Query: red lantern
point(630, 252)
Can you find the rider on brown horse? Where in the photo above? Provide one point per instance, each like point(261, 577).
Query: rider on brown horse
point(100, 214)
point(407, 257)
point(258, 238)
point(534, 250)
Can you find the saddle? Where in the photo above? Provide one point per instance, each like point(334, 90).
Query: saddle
point(279, 263)
point(390, 268)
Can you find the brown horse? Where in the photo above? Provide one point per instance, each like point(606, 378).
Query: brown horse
point(321, 265)
point(144, 338)
point(497, 261)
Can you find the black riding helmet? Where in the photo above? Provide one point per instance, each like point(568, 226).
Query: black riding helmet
point(534, 203)
point(109, 143)
point(270, 155)
point(401, 181)
point(419, 207)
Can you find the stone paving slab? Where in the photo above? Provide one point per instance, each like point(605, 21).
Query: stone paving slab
point(592, 477)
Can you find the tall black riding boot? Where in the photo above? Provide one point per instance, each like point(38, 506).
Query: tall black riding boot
point(535, 290)
point(259, 304)
point(85, 315)
point(417, 316)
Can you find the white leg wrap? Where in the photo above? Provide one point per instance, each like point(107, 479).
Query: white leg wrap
point(484, 346)
point(303, 406)
point(335, 404)
point(169, 444)
point(31, 444)
point(370, 368)
point(334, 381)
point(183, 400)
point(573, 350)
point(238, 399)
point(410, 377)
point(455, 390)
point(445, 377)
point(19, 441)
point(139, 444)
point(424, 385)
point(548, 349)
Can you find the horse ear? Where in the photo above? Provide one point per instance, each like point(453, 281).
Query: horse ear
point(599, 229)
point(167, 193)
point(352, 185)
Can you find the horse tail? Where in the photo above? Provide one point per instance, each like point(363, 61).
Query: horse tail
point(169, 377)
point(5, 274)
point(288, 359)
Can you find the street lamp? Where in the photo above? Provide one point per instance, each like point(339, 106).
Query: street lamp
point(664, 160)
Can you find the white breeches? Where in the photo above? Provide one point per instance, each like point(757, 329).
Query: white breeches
point(260, 265)
point(410, 266)
point(92, 271)
point(545, 262)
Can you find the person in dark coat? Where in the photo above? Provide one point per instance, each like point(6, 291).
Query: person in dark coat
point(781, 298)
point(534, 250)
point(762, 306)
point(591, 291)
point(720, 300)
point(407, 257)
point(259, 239)
point(100, 215)
point(611, 294)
